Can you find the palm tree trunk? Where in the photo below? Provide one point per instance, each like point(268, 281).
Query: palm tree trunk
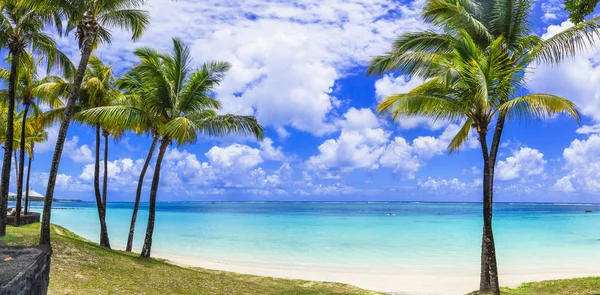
point(484, 279)
point(62, 134)
point(485, 275)
point(153, 191)
point(27, 182)
point(8, 144)
point(16, 162)
point(104, 242)
point(490, 247)
point(21, 165)
point(138, 194)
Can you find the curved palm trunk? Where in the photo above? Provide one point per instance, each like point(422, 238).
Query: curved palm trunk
point(153, 191)
point(27, 182)
point(21, 165)
point(8, 144)
point(490, 248)
point(104, 242)
point(62, 133)
point(485, 284)
point(138, 194)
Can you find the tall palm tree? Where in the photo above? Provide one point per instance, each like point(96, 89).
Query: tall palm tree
point(420, 53)
point(92, 20)
point(22, 26)
point(31, 97)
point(180, 98)
point(99, 89)
point(132, 85)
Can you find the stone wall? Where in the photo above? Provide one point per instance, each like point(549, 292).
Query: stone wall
point(30, 218)
point(24, 271)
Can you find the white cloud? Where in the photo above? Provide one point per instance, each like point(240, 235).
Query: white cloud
point(524, 162)
point(286, 55)
point(359, 145)
point(589, 129)
point(582, 160)
point(79, 154)
point(235, 156)
point(553, 10)
point(364, 144)
point(269, 152)
point(453, 184)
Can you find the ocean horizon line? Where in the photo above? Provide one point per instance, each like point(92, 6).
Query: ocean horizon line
point(347, 202)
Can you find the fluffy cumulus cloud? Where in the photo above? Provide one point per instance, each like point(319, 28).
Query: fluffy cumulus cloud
point(523, 162)
point(360, 144)
point(78, 154)
point(364, 144)
point(286, 55)
point(582, 161)
point(235, 166)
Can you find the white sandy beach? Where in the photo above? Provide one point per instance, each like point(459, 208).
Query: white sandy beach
point(414, 282)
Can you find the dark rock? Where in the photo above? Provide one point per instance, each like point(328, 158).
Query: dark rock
point(24, 270)
point(30, 218)
point(588, 211)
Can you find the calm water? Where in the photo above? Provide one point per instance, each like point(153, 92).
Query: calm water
point(420, 235)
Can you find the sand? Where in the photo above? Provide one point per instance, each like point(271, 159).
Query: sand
point(416, 282)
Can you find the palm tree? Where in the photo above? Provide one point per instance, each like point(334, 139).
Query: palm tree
point(37, 135)
point(22, 26)
point(92, 20)
point(99, 90)
point(180, 98)
point(31, 97)
point(131, 84)
point(421, 53)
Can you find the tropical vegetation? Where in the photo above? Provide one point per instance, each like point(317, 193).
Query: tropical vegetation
point(474, 70)
point(580, 9)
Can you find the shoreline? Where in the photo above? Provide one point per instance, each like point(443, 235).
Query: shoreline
point(414, 282)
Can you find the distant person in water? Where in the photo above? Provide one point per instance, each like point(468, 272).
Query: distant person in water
point(391, 214)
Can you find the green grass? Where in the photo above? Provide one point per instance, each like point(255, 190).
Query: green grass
point(82, 267)
point(580, 286)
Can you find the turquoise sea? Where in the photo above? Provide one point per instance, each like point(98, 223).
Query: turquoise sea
point(356, 235)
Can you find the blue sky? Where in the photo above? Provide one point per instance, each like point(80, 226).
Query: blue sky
point(299, 67)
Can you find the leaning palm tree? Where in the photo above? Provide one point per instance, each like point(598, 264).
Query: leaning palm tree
point(180, 99)
point(92, 20)
point(420, 53)
point(22, 26)
point(31, 97)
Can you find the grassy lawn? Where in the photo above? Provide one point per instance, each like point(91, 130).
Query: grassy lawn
point(580, 286)
point(82, 267)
